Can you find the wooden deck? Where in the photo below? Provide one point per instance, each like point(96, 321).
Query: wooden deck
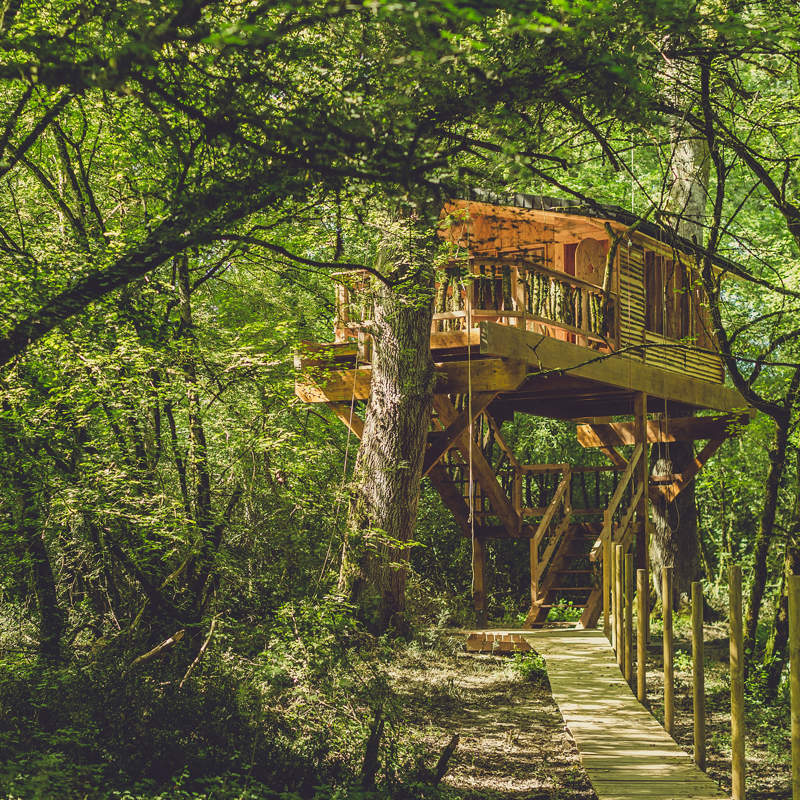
point(626, 753)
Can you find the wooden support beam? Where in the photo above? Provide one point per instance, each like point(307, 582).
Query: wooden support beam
point(479, 581)
point(545, 354)
point(681, 429)
point(349, 417)
point(451, 497)
point(452, 377)
point(643, 479)
point(672, 490)
point(481, 469)
point(441, 441)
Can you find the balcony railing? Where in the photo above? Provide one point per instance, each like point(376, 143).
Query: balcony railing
point(521, 293)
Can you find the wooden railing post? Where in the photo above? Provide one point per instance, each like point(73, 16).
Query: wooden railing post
point(698, 676)
point(794, 678)
point(669, 669)
point(737, 682)
point(607, 567)
point(629, 618)
point(641, 635)
point(619, 572)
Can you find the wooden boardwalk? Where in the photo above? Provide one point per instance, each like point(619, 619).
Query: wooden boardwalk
point(626, 753)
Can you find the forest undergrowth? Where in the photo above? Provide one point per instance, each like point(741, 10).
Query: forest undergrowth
point(310, 706)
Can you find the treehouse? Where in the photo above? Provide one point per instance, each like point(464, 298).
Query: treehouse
point(587, 315)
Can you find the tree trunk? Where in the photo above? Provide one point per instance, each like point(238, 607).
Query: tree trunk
point(675, 542)
point(388, 470)
point(52, 619)
point(777, 464)
point(777, 650)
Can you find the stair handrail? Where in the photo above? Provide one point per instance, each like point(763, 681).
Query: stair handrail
point(561, 491)
point(616, 499)
point(624, 480)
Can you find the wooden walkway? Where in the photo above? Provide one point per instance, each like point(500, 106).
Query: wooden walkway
point(626, 753)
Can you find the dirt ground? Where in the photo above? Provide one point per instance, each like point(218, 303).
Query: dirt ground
point(513, 742)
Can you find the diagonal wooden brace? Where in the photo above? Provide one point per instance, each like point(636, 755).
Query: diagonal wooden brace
point(442, 441)
point(481, 468)
point(672, 490)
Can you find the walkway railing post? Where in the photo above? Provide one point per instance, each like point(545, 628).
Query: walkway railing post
point(794, 678)
point(629, 618)
point(698, 676)
point(669, 669)
point(618, 575)
point(641, 635)
point(607, 569)
point(737, 682)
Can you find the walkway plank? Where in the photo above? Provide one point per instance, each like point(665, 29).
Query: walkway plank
point(625, 752)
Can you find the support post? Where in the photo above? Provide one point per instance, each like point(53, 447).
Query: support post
point(698, 676)
point(643, 467)
point(629, 618)
point(669, 667)
point(607, 569)
point(737, 682)
point(534, 559)
point(619, 571)
point(794, 678)
point(641, 635)
point(479, 580)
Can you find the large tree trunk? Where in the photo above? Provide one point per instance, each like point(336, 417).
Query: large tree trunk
point(676, 541)
point(388, 471)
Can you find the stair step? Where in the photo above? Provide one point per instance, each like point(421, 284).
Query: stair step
point(571, 588)
point(558, 605)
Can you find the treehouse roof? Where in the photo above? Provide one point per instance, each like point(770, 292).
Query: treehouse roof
point(597, 212)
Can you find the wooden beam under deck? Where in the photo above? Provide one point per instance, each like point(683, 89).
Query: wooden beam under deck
point(545, 354)
point(682, 429)
point(452, 377)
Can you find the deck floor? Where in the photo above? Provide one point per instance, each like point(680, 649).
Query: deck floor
point(625, 752)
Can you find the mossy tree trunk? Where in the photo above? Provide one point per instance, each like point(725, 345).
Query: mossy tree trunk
point(388, 470)
point(676, 541)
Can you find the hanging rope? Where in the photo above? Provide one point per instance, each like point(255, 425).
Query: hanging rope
point(344, 479)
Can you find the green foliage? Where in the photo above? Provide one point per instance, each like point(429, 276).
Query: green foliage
point(564, 611)
point(529, 667)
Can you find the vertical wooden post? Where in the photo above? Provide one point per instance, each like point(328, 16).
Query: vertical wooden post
point(643, 475)
point(479, 580)
point(698, 676)
point(669, 668)
point(607, 567)
point(629, 618)
point(794, 678)
point(618, 576)
point(641, 635)
point(737, 681)
point(534, 561)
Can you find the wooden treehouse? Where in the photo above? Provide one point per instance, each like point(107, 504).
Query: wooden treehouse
point(545, 322)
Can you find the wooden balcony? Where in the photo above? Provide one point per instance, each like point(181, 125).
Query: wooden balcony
point(522, 293)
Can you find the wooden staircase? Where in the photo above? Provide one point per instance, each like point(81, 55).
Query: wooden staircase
point(570, 514)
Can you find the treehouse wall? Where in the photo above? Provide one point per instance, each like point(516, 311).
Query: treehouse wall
point(655, 303)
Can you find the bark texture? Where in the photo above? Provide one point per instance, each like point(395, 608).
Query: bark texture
point(388, 470)
point(675, 542)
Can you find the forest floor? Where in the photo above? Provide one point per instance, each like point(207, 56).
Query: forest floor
point(513, 742)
